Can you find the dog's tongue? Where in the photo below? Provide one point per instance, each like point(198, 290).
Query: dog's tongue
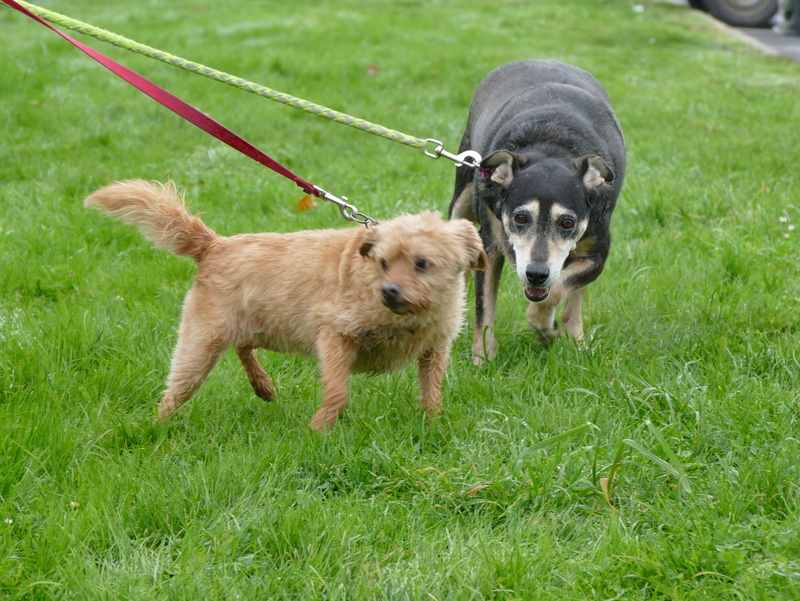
point(536, 294)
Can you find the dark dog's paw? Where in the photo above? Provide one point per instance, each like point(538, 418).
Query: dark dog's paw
point(545, 336)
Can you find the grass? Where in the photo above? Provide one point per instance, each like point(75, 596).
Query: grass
point(685, 483)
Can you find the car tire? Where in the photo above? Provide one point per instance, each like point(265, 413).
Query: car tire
point(743, 13)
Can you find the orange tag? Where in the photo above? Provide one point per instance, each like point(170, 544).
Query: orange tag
point(306, 203)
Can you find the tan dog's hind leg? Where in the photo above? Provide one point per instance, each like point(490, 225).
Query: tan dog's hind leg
point(193, 360)
point(256, 375)
point(336, 357)
point(572, 315)
point(201, 341)
point(432, 366)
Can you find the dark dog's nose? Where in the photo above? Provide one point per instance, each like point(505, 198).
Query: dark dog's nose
point(392, 292)
point(537, 274)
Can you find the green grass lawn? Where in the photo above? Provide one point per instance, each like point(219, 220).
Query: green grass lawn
point(686, 484)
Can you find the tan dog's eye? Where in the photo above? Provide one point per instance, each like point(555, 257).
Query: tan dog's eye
point(385, 264)
point(520, 219)
point(421, 264)
point(568, 223)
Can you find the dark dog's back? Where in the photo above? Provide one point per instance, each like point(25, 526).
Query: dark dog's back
point(525, 101)
point(514, 88)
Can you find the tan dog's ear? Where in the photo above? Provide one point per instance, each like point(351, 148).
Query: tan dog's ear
point(367, 242)
point(471, 244)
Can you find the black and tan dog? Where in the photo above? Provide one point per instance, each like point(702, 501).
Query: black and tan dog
point(543, 195)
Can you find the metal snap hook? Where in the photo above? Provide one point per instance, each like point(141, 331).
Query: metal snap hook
point(435, 149)
point(348, 212)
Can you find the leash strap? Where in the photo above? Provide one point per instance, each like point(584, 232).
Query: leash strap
point(201, 120)
point(431, 148)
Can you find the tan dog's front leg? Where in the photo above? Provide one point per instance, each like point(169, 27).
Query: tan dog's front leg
point(432, 366)
point(336, 357)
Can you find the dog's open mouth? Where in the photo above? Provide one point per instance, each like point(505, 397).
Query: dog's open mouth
point(398, 308)
point(536, 295)
point(405, 308)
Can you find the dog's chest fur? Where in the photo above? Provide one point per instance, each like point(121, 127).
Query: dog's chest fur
point(385, 347)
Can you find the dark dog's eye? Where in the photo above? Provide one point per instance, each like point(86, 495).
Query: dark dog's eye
point(520, 219)
point(385, 264)
point(421, 264)
point(568, 223)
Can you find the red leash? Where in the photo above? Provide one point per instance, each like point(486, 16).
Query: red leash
point(201, 120)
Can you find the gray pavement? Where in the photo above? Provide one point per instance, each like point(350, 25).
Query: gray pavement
point(769, 41)
point(773, 42)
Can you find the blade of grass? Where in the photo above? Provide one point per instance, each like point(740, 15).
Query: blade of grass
point(658, 461)
point(683, 479)
point(608, 483)
point(553, 440)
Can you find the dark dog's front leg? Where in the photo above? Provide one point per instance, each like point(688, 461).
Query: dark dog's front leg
point(542, 316)
point(336, 357)
point(572, 315)
point(432, 366)
point(487, 283)
point(579, 272)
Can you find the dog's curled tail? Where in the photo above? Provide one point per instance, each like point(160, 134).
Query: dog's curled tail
point(159, 211)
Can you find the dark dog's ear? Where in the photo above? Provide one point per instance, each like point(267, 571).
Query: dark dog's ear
point(499, 166)
point(471, 244)
point(593, 171)
point(367, 242)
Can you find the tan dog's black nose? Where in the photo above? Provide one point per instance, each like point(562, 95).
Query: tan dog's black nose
point(392, 296)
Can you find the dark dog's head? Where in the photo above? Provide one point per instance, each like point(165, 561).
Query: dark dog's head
point(544, 205)
point(420, 260)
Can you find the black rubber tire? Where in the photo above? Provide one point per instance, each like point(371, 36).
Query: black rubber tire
point(698, 4)
point(743, 13)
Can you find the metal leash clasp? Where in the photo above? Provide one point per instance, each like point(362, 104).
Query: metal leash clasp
point(469, 158)
point(349, 212)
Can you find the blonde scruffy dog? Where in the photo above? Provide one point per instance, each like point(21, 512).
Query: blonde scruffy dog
point(358, 299)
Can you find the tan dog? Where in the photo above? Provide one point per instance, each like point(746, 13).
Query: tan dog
point(358, 299)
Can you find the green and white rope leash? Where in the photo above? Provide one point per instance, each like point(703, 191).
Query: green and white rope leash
point(431, 147)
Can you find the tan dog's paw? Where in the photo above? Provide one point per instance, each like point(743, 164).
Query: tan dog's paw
point(264, 388)
point(324, 420)
point(166, 408)
point(431, 409)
